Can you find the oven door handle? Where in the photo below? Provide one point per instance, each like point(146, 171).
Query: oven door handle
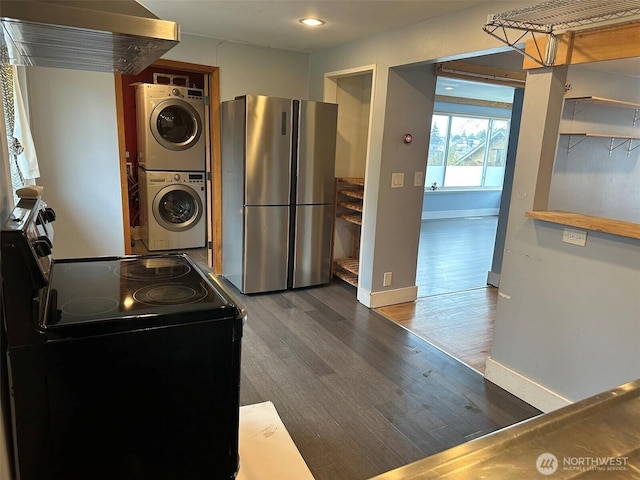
point(52, 315)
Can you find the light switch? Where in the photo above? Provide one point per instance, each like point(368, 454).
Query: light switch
point(397, 180)
point(417, 179)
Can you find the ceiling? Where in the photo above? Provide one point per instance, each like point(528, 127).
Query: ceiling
point(275, 23)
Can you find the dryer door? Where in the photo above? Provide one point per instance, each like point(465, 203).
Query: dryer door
point(175, 124)
point(177, 207)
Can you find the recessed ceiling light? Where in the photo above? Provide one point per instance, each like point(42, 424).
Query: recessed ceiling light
point(448, 88)
point(312, 22)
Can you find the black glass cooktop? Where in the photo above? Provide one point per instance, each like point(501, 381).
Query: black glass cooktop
point(129, 289)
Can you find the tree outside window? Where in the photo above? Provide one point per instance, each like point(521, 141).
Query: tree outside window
point(467, 151)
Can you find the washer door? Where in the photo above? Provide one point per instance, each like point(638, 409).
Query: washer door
point(177, 208)
point(175, 124)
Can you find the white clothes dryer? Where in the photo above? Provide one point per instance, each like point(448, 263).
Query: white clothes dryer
point(172, 210)
point(171, 127)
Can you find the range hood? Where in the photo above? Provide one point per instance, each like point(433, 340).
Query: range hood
point(119, 36)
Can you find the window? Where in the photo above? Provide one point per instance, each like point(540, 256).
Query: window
point(467, 151)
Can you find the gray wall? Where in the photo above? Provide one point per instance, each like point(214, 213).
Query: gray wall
point(567, 323)
point(567, 319)
point(410, 96)
point(415, 45)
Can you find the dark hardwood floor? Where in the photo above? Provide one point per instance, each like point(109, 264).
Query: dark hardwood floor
point(455, 309)
point(455, 254)
point(359, 394)
point(459, 323)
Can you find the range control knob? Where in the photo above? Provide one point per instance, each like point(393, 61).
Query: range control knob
point(46, 215)
point(42, 246)
point(49, 215)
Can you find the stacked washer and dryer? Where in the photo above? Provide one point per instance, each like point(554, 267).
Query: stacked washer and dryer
point(171, 166)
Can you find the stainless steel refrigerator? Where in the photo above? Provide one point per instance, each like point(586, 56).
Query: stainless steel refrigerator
point(278, 160)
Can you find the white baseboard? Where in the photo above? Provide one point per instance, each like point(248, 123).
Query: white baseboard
point(524, 388)
point(387, 297)
point(480, 212)
point(493, 279)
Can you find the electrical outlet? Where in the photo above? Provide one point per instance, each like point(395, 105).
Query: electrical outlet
point(387, 279)
point(129, 168)
point(574, 237)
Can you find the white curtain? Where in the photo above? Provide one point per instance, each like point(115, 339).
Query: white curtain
point(23, 162)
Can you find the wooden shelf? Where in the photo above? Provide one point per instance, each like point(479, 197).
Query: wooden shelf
point(359, 181)
point(349, 207)
point(588, 222)
point(602, 135)
point(359, 194)
point(348, 277)
point(350, 264)
point(605, 101)
point(354, 218)
point(347, 269)
point(355, 206)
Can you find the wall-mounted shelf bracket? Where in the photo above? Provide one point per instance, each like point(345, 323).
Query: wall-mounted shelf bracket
point(582, 139)
point(626, 141)
point(499, 31)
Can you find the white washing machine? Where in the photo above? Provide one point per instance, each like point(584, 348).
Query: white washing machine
point(171, 127)
point(172, 209)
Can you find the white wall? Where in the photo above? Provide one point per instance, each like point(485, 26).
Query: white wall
point(246, 69)
point(353, 96)
point(74, 128)
point(73, 122)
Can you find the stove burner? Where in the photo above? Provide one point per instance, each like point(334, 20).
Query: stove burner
point(89, 306)
point(169, 294)
point(153, 269)
point(86, 269)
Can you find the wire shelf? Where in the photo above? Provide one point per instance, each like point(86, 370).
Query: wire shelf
point(562, 14)
point(550, 17)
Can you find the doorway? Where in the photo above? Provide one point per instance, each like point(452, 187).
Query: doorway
point(464, 219)
point(466, 164)
point(207, 78)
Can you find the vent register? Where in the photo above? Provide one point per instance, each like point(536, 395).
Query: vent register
point(549, 18)
point(119, 36)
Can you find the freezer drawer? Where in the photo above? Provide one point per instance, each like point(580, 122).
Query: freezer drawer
point(312, 245)
point(266, 249)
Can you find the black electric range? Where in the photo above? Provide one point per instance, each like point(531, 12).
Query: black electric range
point(100, 295)
point(117, 367)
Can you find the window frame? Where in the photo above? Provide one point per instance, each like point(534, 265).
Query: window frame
point(447, 140)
